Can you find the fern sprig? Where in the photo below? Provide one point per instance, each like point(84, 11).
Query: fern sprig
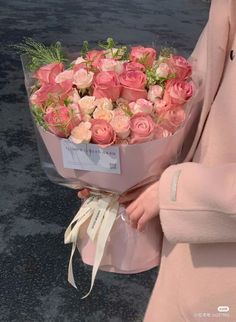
point(40, 54)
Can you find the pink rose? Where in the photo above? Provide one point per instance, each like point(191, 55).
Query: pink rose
point(121, 125)
point(65, 79)
point(172, 119)
point(94, 56)
point(178, 92)
point(134, 66)
point(48, 73)
point(180, 66)
point(142, 128)
point(141, 106)
point(82, 65)
point(109, 64)
point(83, 78)
point(102, 133)
point(133, 85)
point(161, 106)
point(133, 79)
point(106, 84)
point(64, 76)
point(155, 92)
point(145, 56)
point(54, 92)
point(62, 119)
point(161, 133)
point(163, 70)
point(81, 133)
point(41, 95)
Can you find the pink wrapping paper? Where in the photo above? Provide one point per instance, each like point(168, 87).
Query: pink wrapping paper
point(140, 163)
point(127, 250)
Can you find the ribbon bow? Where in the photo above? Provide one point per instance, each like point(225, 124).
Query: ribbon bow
point(103, 211)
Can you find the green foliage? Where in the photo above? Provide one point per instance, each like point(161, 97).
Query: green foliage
point(154, 79)
point(119, 52)
point(166, 52)
point(144, 60)
point(39, 54)
point(109, 44)
point(84, 49)
point(126, 109)
point(38, 114)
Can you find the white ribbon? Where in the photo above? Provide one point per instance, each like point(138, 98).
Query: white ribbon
point(103, 211)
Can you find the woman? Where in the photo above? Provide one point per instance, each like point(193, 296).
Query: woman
point(197, 200)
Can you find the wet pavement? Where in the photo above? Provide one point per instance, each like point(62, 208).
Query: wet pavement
point(34, 211)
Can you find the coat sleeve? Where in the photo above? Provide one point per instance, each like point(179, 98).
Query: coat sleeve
point(198, 203)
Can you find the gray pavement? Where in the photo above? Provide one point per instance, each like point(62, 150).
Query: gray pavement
point(34, 211)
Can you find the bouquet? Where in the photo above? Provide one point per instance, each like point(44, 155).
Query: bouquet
point(110, 119)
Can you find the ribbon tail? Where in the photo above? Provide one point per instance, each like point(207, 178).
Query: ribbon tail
point(71, 279)
point(104, 231)
point(72, 234)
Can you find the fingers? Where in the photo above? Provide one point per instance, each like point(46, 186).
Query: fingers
point(134, 213)
point(130, 196)
point(84, 193)
point(142, 223)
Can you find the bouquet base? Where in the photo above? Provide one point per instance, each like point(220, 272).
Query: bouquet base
point(111, 269)
point(127, 250)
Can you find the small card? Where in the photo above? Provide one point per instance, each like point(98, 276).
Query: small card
point(90, 157)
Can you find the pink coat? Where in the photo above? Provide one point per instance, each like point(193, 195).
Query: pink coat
point(197, 277)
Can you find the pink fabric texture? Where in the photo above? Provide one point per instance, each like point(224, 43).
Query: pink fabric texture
point(198, 197)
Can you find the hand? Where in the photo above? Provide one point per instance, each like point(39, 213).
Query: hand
point(126, 198)
point(84, 193)
point(145, 207)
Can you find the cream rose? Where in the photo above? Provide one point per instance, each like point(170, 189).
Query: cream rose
point(141, 105)
point(109, 64)
point(103, 114)
point(83, 78)
point(87, 104)
point(155, 91)
point(163, 70)
point(121, 125)
point(74, 97)
point(81, 133)
point(104, 103)
point(79, 60)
